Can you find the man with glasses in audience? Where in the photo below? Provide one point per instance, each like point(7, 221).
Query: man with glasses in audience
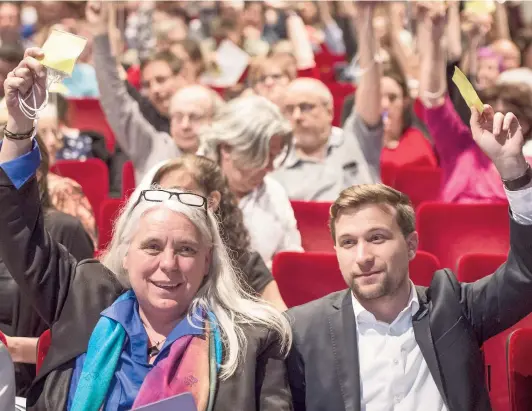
point(327, 159)
point(386, 344)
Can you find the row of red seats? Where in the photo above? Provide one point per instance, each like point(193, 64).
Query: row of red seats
point(446, 230)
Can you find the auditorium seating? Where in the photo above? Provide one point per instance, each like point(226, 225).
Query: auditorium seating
point(474, 266)
point(419, 183)
point(128, 179)
point(451, 230)
point(303, 277)
point(312, 222)
point(520, 369)
point(43, 345)
point(87, 114)
point(92, 174)
point(109, 211)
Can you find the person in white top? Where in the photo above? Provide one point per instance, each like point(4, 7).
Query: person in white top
point(385, 344)
point(7, 380)
point(247, 138)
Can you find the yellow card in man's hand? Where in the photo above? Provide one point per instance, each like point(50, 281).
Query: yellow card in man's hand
point(61, 51)
point(466, 90)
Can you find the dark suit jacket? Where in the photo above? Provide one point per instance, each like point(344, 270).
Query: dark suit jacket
point(69, 296)
point(453, 321)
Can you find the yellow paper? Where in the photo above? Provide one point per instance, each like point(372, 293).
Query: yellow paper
point(480, 7)
point(466, 90)
point(62, 50)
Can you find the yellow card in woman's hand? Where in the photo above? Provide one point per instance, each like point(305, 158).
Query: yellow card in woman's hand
point(61, 51)
point(466, 90)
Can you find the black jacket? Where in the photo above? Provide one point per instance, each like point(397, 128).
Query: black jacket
point(69, 296)
point(452, 323)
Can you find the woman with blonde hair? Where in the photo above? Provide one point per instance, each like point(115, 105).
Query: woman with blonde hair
point(165, 313)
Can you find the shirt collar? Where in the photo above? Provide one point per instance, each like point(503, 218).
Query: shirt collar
point(125, 310)
point(412, 305)
point(336, 139)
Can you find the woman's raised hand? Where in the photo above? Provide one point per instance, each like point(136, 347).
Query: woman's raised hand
point(29, 75)
point(97, 15)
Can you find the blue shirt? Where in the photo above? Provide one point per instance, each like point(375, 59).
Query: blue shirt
point(133, 364)
point(21, 169)
point(83, 82)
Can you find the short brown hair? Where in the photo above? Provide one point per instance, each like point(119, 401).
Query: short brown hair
point(363, 194)
point(259, 65)
point(171, 59)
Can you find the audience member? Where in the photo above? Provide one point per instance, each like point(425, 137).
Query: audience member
point(394, 344)
point(169, 295)
point(327, 159)
point(247, 138)
point(203, 176)
point(468, 175)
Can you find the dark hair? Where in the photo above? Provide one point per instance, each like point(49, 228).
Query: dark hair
point(393, 71)
point(170, 58)
point(42, 174)
point(12, 53)
point(193, 49)
point(209, 178)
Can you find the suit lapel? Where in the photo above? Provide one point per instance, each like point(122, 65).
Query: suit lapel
point(421, 324)
point(342, 326)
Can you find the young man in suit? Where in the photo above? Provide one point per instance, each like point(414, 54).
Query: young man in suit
point(385, 344)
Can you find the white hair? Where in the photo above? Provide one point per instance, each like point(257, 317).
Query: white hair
point(246, 125)
point(221, 293)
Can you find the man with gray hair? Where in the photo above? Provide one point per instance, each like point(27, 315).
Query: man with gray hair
point(191, 107)
point(327, 159)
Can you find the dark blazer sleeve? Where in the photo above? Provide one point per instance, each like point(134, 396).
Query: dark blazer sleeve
point(273, 385)
point(42, 268)
point(500, 300)
point(68, 230)
point(296, 371)
point(256, 274)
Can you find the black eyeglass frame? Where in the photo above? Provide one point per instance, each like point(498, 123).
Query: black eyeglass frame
point(178, 195)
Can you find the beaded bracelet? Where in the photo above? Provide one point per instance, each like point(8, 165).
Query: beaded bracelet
point(20, 136)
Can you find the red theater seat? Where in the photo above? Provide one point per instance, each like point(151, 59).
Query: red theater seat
point(520, 369)
point(421, 184)
point(43, 345)
point(312, 221)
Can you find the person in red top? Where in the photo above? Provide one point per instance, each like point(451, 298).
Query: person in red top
point(404, 140)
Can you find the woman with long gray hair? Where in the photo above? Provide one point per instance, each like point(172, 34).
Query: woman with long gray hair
point(248, 138)
point(165, 315)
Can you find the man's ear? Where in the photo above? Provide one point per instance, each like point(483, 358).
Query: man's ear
point(412, 242)
point(214, 200)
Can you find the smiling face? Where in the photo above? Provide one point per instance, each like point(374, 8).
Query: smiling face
point(372, 251)
point(167, 262)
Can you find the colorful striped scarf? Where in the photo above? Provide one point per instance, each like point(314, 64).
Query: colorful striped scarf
point(191, 366)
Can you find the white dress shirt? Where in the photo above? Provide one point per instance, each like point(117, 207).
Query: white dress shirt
point(270, 220)
point(393, 372)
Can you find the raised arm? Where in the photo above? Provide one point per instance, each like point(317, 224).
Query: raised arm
point(497, 302)
point(451, 136)
point(42, 268)
point(133, 132)
point(298, 36)
point(368, 98)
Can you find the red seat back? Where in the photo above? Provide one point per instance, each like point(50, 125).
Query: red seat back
point(128, 179)
point(92, 174)
point(422, 268)
point(303, 277)
point(3, 338)
point(388, 172)
point(87, 114)
point(312, 221)
point(474, 266)
point(451, 230)
point(43, 345)
point(520, 369)
point(419, 183)
point(109, 211)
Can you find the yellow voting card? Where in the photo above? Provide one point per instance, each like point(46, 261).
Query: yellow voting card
point(61, 51)
point(480, 7)
point(466, 90)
